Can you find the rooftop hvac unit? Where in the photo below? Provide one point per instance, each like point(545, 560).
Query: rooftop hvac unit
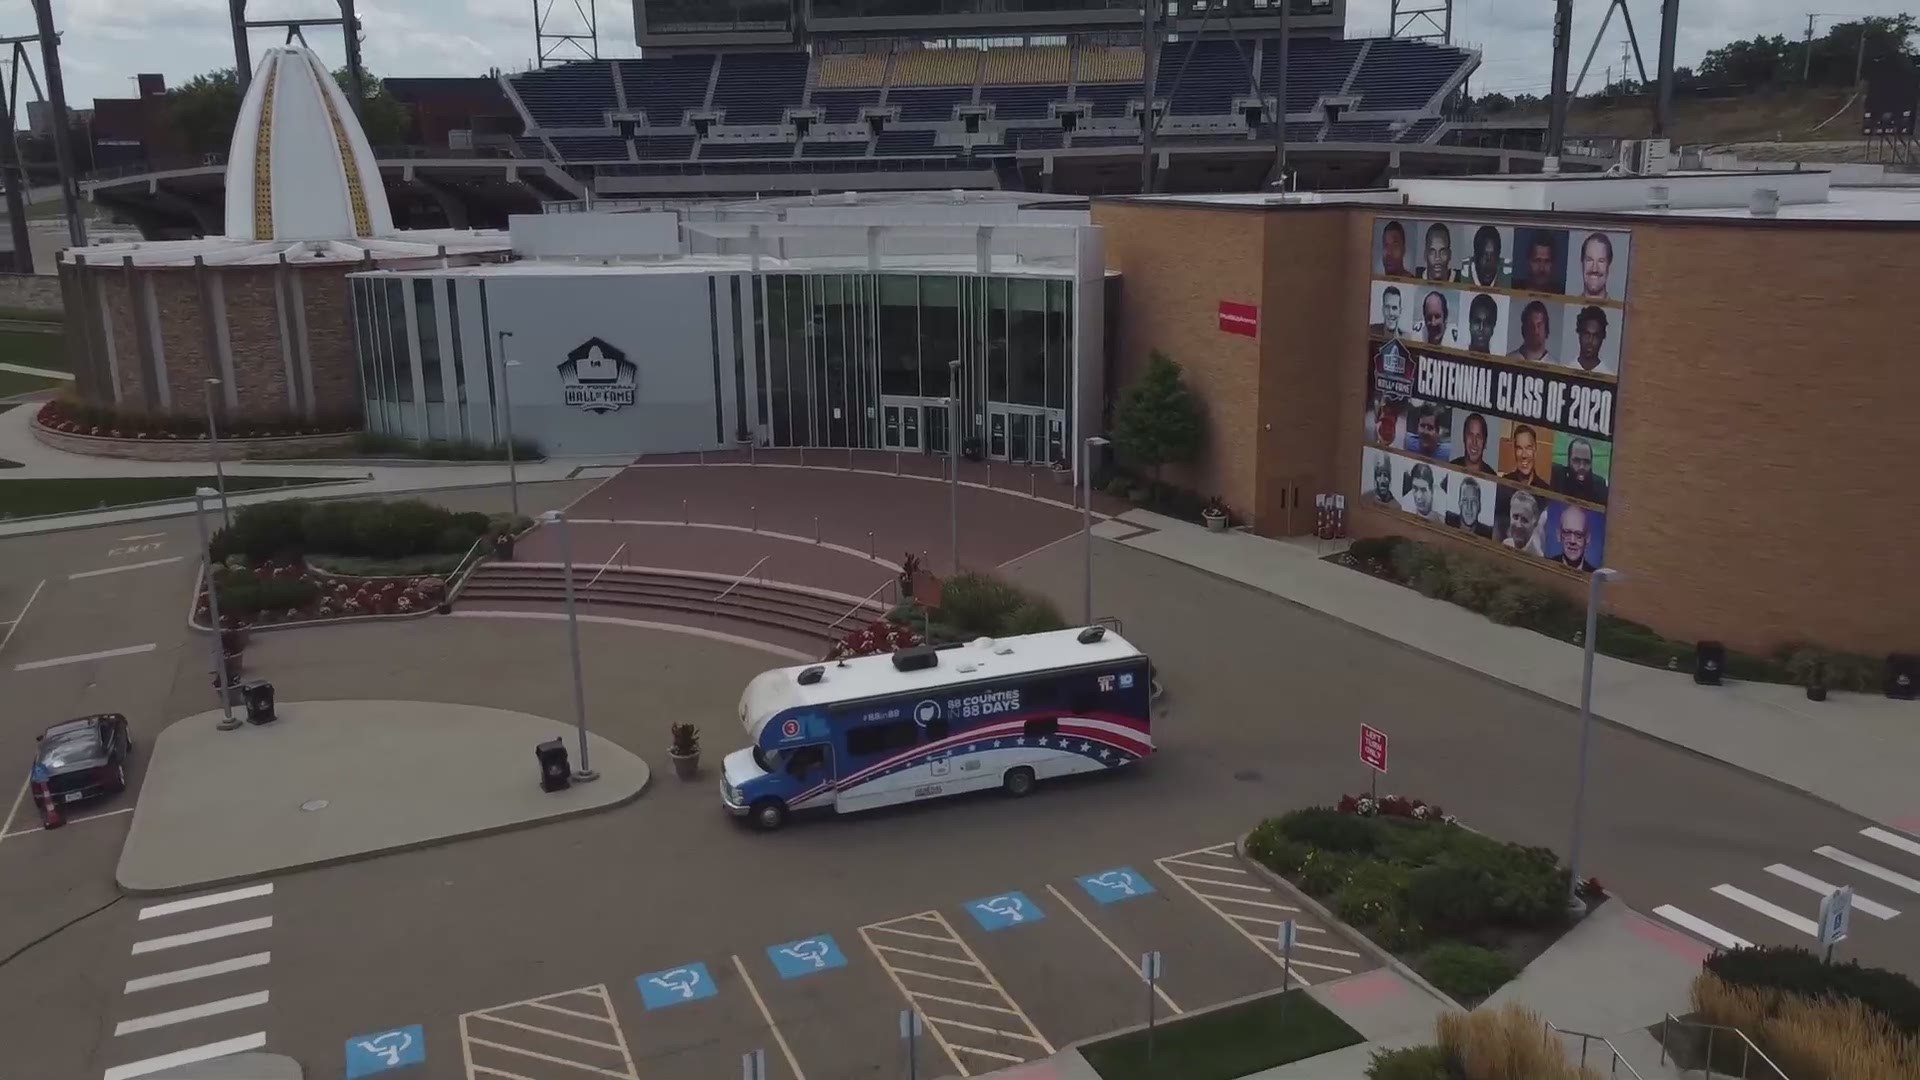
point(1646, 157)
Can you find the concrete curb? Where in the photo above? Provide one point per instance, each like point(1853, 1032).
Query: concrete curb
point(1388, 959)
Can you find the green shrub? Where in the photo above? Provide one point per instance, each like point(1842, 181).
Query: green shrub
point(1375, 891)
point(507, 524)
point(1475, 581)
point(1450, 896)
point(1412, 1063)
point(457, 538)
point(1414, 561)
point(977, 603)
point(1323, 873)
point(1033, 616)
point(1274, 851)
point(1527, 886)
point(265, 530)
point(1797, 971)
point(1118, 487)
point(1328, 829)
point(1398, 934)
point(1464, 972)
point(1376, 548)
point(241, 593)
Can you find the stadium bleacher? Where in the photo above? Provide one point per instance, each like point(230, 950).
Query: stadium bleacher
point(1395, 91)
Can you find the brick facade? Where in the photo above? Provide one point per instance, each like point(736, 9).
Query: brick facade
point(1758, 496)
point(330, 346)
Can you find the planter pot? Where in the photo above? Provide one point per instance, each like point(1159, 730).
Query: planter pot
point(1816, 693)
point(685, 766)
point(1215, 522)
point(1063, 477)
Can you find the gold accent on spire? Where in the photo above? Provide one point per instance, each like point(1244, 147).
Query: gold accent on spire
point(263, 160)
point(362, 221)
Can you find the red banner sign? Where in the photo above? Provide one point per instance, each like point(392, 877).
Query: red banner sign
point(1242, 319)
point(1373, 748)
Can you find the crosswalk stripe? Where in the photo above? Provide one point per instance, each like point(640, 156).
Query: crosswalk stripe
point(1701, 927)
point(194, 903)
point(189, 1056)
point(222, 967)
point(1849, 859)
point(1768, 908)
point(1892, 839)
point(1824, 888)
point(192, 1012)
point(195, 937)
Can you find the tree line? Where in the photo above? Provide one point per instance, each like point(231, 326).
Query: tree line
point(203, 110)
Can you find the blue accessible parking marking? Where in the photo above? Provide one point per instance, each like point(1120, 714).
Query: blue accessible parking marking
point(808, 956)
point(1119, 883)
point(676, 986)
point(384, 1050)
point(1004, 910)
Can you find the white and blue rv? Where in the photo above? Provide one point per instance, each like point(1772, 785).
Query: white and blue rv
point(925, 722)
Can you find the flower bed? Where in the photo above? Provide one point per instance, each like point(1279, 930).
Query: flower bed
point(79, 418)
point(278, 593)
point(1464, 910)
point(882, 635)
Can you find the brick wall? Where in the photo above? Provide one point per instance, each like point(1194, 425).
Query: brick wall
point(336, 370)
point(253, 336)
point(112, 284)
point(1765, 410)
point(183, 339)
point(36, 292)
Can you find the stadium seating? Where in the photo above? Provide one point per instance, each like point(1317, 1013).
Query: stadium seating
point(1420, 131)
point(664, 147)
point(843, 106)
point(666, 88)
point(924, 105)
point(576, 95)
point(1032, 65)
point(758, 88)
point(588, 150)
point(936, 67)
point(848, 70)
point(1320, 69)
point(1404, 74)
point(1039, 140)
point(905, 142)
point(1210, 74)
point(529, 146)
point(815, 148)
point(736, 151)
point(1021, 102)
point(1111, 64)
point(1109, 99)
point(1359, 131)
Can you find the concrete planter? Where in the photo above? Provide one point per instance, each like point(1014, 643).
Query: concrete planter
point(685, 766)
point(1216, 522)
point(285, 446)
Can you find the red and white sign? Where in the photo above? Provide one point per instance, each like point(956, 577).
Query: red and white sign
point(1373, 748)
point(1242, 319)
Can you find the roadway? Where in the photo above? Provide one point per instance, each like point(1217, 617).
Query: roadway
point(663, 940)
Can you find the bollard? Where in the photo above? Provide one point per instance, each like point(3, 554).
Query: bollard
point(849, 459)
point(753, 452)
point(870, 552)
point(1033, 484)
point(685, 518)
point(754, 520)
point(816, 528)
point(896, 463)
point(703, 457)
point(803, 457)
point(989, 475)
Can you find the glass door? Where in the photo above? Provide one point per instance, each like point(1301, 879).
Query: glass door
point(997, 432)
point(1020, 449)
point(910, 427)
point(936, 429)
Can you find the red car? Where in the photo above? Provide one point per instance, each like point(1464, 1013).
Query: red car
point(80, 759)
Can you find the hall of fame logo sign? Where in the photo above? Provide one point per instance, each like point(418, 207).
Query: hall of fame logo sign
point(598, 378)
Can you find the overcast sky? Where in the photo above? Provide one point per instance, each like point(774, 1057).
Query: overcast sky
point(107, 41)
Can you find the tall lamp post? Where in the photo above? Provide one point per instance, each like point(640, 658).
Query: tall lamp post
point(228, 721)
point(506, 398)
point(213, 444)
point(585, 771)
point(953, 458)
point(1600, 577)
point(1086, 515)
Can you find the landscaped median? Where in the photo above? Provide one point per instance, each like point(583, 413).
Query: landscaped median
point(1220, 1044)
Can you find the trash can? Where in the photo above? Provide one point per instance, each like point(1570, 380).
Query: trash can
point(555, 773)
point(259, 697)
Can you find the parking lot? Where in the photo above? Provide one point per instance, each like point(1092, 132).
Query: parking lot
point(997, 980)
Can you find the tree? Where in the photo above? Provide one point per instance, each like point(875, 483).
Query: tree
point(1158, 421)
point(1837, 55)
point(387, 120)
point(205, 107)
point(1754, 62)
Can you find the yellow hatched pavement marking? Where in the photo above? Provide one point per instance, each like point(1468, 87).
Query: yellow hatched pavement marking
point(934, 1024)
point(1213, 904)
point(598, 993)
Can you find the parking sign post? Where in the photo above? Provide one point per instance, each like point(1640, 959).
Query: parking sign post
point(753, 1065)
point(1289, 933)
point(910, 1028)
point(1150, 972)
point(1836, 913)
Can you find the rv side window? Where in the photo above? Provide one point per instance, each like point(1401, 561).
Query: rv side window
point(1043, 726)
point(880, 738)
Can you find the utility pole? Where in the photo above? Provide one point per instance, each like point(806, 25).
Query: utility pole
point(1150, 54)
point(1562, 43)
point(1806, 55)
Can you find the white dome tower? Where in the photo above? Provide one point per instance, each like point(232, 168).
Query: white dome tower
point(300, 167)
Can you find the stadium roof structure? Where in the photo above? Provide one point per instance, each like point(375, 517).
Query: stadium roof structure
point(302, 186)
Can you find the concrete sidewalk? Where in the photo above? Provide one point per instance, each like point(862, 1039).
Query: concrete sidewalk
point(335, 781)
point(1854, 751)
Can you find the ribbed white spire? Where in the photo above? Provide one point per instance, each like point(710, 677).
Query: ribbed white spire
point(300, 167)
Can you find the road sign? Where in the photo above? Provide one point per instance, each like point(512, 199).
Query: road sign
point(910, 1024)
point(1836, 915)
point(1005, 910)
point(675, 986)
point(1150, 965)
point(386, 1050)
point(1119, 883)
point(1373, 748)
point(1289, 935)
point(808, 956)
point(753, 1065)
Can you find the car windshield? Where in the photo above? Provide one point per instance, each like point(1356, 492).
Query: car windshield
point(769, 761)
point(62, 747)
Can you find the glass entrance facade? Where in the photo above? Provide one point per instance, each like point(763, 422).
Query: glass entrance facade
point(863, 360)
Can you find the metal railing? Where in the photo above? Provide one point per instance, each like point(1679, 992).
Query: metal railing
point(1617, 1059)
point(741, 578)
point(464, 569)
point(868, 599)
point(603, 567)
point(1748, 1051)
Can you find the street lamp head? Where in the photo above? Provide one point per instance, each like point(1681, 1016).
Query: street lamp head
point(205, 493)
point(1099, 440)
point(552, 517)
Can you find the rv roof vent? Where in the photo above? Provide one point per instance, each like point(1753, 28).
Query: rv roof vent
point(917, 658)
point(1001, 648)
point(1092, 634)
point(809, 676)
point(966, 666)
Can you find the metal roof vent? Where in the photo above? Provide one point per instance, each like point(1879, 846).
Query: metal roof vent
point(1764, 202)
point(1092, 634)
point(1659, 197)
point(1001, 648)
point(917, 658)
point(809, 676)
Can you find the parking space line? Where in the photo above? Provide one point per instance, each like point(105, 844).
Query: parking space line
point(1271, 906)
point(922, 994)
point(1008, 1058)
point(1213, 904)
point(581, 1039)
point(20, 618)
point(1227, 884)
point(195, 937)
point(174, 907)
point(786, 1051)
point(103, 654)
point(1213, 867)
point(550, 1007)
point(1108, 942)
point(76, 820)
point(920, 955)
point(943, 1028)
point(6, 828)
point(995, 1031)
point(143, 536)
point(504, 1074)
point(538, 1056)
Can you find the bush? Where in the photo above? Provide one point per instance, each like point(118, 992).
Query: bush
point(1510, 1043)
point(1325, 873)
point(1375, 892)
point(1806, 1036)
point(1274, 851)
point(1464, 972)
point(1797, 971)
point(1329, 830)
point(458, 538)
point(1376, 548)
point(1526, 886)
point(266, 530)
point(1032, 617)
point(241, 593)
point(1412, 562)
point(1475, 581)
point(1412, 1063)
point(1450, 896)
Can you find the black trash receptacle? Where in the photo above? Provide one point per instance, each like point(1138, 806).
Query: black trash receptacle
point(1709, 662)
point(555, 773)
point(259, 698)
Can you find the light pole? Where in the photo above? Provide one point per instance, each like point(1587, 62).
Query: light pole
point(227, 722)
point(506, 398)
point(585, 772)
point(1600, 577)
point(1086, 515)
point(213, 442)
point(953, 457)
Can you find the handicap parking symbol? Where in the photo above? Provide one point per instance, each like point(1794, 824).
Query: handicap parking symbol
point(384, 1050)
point(676, 986)
point(1119, 883)
point(808, 956)
point(1004, 910)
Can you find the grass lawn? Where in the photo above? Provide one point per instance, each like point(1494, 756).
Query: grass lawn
point(1230, 1042)
point(34, 349)
point(24, 314)
point(24, 498)
point(411, 566)
point(14, 382)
